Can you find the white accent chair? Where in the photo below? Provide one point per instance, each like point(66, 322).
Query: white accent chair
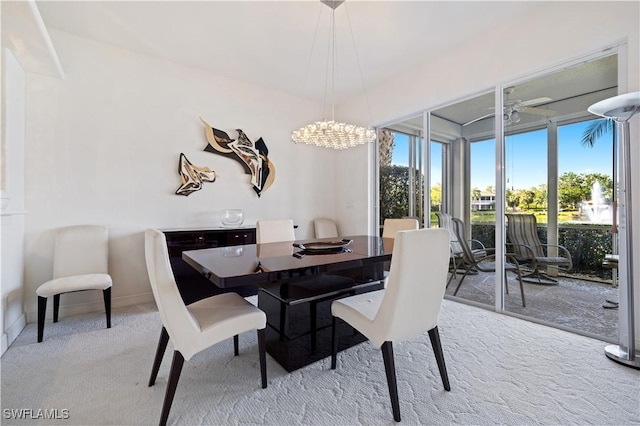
point(325, 228)
point(391, 226)
point(409, 305)
point(197, 326)
point(80, 262)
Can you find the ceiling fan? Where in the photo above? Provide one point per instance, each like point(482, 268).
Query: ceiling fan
point(513, 108)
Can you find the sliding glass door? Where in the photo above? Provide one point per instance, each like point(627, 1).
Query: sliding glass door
point(401, 174)
point(550, 161)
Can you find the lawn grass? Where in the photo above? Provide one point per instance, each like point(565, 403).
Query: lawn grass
point(489, 216)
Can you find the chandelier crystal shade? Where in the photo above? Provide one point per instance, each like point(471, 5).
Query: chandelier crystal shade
point(330, 133)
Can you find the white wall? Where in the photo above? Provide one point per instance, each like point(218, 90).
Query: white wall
point(551, 34)
point(103, 147)
point(12, 318)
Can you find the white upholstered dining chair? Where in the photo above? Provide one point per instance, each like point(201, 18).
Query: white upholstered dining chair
point(409, 305)
point(325, 228)
point(391, 226)
point(198, 326)
point(80, 262)
point(274, 231)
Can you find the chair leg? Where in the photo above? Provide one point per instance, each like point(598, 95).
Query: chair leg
point(506, 282)
point(106, 294)
point(56, 307)
point(162, 346)
point(524, 305)
point(390, 369)
point(434, 336)
point(453, 272)
point(262, 346)
point(236, 345)
point(334, 343)
point(176, 368)
point(462, 279)
point(42, 309)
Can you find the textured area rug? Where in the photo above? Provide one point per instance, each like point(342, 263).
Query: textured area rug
point(502, 371)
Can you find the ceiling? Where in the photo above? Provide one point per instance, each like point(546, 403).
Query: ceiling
point(271, 43)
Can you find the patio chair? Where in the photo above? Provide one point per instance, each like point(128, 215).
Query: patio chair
point(522, 234)
point(444, 222)
point(486, 263)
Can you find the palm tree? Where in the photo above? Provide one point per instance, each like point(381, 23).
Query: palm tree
point(595, 130)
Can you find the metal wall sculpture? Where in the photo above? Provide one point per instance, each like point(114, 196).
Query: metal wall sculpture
point(252, 155)
point(193, 177)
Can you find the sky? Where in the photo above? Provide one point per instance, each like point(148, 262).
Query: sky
point(526, 156)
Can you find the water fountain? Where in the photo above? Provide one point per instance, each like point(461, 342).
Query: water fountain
point(597, 210)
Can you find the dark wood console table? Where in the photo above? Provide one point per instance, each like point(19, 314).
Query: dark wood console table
point(192, 285)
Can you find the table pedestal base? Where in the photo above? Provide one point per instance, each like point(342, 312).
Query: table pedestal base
point(293, 341)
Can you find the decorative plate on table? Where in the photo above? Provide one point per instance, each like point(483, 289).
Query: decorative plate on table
point(323, 246)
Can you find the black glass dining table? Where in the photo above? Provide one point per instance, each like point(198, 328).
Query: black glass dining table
point(296, 283)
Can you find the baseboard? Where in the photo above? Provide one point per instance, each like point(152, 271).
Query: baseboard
point(83, 308)
point(13, 331)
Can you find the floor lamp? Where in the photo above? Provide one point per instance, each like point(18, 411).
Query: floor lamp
point(621, 109)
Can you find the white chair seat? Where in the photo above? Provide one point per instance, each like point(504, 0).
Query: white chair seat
point(225, 315)
point(360, 311)
point(74, 283)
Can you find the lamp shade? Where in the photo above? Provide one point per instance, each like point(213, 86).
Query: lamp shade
point(619, 108)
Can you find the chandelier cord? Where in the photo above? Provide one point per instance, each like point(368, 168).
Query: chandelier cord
point(331, 64)
point(333, 134)
point(355, 50)
point(313, 45)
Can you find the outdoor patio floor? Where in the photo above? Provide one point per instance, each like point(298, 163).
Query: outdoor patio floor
point(573, 303)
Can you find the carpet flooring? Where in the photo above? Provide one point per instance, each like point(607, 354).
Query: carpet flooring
point(503, 370)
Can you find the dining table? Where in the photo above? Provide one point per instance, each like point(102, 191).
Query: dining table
point(297, 281)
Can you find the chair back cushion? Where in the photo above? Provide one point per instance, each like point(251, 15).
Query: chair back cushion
point(81, 250)
point(522, 230)
point(177, 320)
point(325, 228)
point(415, 286)
point(391, 226)
point(274, 231)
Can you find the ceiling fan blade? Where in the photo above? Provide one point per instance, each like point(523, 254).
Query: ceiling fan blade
point(539, 111)
point(536, 101)
point(478, 119)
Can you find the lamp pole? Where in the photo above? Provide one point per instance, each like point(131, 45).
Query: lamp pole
point(620, 109)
